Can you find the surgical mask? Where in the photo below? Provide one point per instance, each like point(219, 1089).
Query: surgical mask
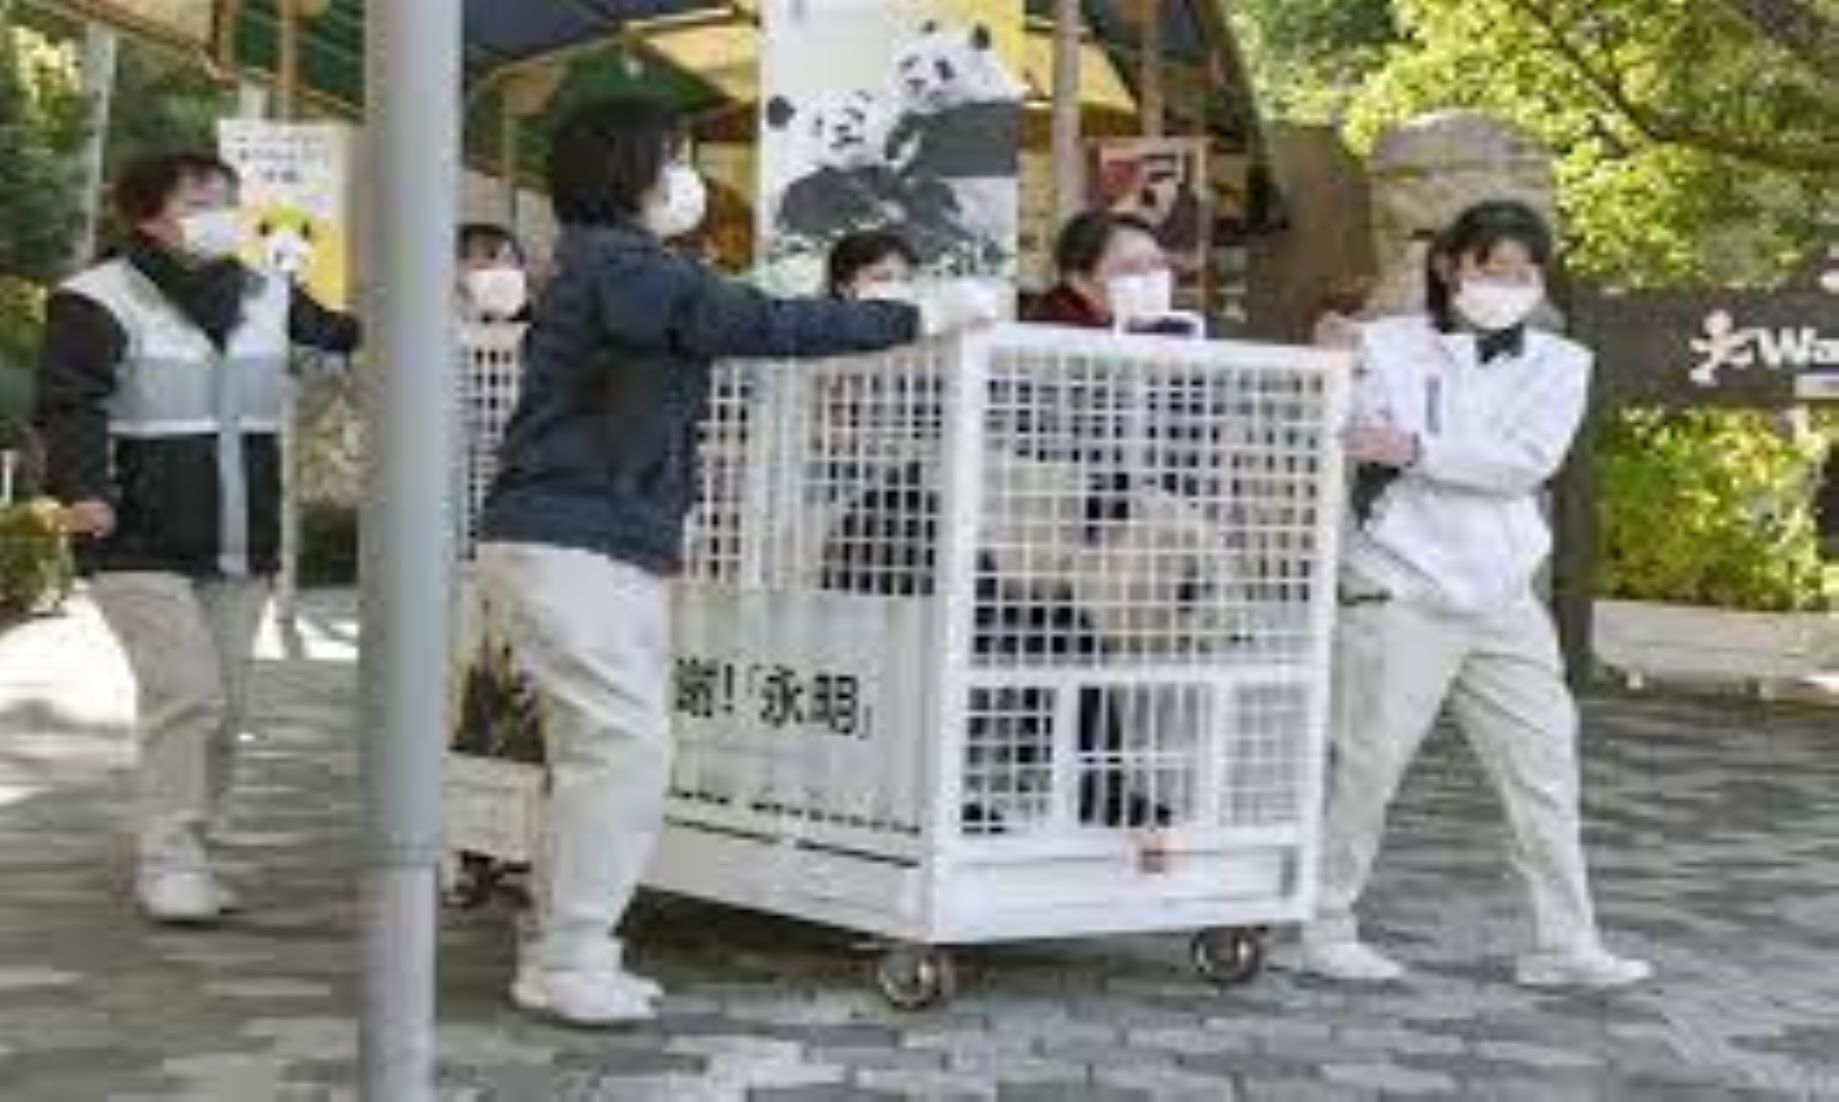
point(1491, 306)
point(1142, 297)
point(212, 234)
point(684, 205)
point(497, 292)
point(888, 290)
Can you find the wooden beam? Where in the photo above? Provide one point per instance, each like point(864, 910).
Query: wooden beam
point(1069, 174)
point(1152, 87)
point(287, 64)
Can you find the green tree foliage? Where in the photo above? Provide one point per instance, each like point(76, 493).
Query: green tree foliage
point(41, 127)
point(1713, 509)
point(1697, 140)
point(1309, 58)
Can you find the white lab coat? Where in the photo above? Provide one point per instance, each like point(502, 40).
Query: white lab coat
point(1451, 550)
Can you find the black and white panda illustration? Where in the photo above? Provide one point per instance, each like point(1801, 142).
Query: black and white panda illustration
point(849, 184)
point(960, 123)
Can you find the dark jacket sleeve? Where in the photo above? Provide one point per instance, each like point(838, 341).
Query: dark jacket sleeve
point(313, 326)
point(685, 306)
point(78, 363)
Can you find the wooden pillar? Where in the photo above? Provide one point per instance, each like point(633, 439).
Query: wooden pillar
point(1151, 90)
point(1069, 171)
point(285, 106)
point(288, 14)
point(100, 48)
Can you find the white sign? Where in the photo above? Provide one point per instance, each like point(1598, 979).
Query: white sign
point(295, 187)
point(1726, 345)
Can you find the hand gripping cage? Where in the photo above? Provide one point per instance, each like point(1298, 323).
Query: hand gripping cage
point(1023, 634)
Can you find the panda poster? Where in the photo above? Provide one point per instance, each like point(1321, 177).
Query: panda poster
point(890, 114)
point(295, 183)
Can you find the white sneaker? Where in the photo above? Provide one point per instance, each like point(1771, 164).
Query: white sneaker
point(1598, 969)
point(182, 898)
point(599, 960)
point(585, 996)
point(1348, 961)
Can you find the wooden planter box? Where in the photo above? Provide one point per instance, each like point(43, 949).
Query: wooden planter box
point(1645, 640)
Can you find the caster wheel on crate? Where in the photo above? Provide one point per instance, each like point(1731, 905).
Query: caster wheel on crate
point(473, 882)
point(1229, 956)
point(914, 977)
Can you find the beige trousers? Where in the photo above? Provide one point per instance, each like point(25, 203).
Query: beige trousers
point(189, 643)
point(1398, 665)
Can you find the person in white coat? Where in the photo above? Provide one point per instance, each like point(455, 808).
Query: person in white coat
point(1461, 416)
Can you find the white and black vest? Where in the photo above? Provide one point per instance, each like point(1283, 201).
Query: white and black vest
point(194, 429)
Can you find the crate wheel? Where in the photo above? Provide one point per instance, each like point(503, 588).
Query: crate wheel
point(1228, 955)
point(914, 977)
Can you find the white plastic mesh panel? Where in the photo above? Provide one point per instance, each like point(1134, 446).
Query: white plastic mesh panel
point(491, 368)
point(1144, 586)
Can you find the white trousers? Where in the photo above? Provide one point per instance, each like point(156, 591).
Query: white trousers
point(1398, 665)
point(189, 643)
point(593, 635)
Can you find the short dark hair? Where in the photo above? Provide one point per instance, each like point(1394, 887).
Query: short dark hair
point(146, 184)
point(1477, 232)
point(486, 237)
point(1085, 237)
point(606, 155)
point(864, 249)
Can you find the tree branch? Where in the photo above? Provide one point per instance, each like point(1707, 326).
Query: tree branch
point(1660, 127)
point(1805, 32)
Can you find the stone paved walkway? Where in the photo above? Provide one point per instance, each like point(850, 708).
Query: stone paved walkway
point(1715, 831)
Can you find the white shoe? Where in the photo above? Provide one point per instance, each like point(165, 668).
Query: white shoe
point(584, 996)
point(599, 958)
point(189, 897)
point(1348, 961)
point(1597, 969)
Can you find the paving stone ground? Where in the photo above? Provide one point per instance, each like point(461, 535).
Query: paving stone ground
point(1714, 830)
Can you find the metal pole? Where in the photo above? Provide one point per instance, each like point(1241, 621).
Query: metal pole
point(1068, 172)
point(413, 153)
point(100, 45)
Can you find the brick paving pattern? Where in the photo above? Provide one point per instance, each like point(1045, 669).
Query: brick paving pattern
point(1714, 830)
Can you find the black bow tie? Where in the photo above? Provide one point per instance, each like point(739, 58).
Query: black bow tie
point(1504, 342)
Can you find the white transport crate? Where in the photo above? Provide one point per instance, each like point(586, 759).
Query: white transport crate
point(1022, 634)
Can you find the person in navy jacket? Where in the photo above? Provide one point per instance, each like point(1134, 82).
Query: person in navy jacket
point(585, 521)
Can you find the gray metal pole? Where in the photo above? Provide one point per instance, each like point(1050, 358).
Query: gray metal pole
point(412, 127)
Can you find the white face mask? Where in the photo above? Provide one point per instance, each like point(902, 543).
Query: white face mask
point(497, 292)
point(1144, 297)
point(212, 234)
point(888, 290)
point(1491, 306)
point(684, 205)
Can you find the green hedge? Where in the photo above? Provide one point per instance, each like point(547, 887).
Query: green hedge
point(1713, 508)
